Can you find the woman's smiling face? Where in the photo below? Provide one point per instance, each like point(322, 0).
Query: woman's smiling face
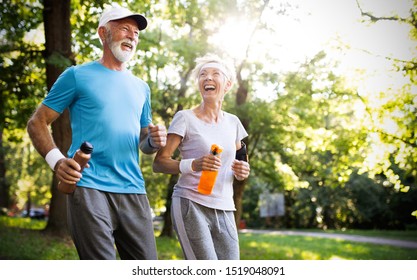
point(212, 83)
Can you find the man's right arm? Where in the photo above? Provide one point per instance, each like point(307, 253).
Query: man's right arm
point(66, 169)
point(38, 129)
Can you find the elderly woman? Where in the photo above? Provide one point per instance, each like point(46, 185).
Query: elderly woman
point(205, 223)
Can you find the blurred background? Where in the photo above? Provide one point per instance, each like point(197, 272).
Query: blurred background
point(326, 90)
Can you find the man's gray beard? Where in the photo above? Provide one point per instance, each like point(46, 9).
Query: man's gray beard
point(121, 55)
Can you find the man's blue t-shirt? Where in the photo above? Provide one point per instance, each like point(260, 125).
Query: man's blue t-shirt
point(108, 109)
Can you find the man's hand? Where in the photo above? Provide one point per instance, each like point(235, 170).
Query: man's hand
point(157, 136)
point(68, 171)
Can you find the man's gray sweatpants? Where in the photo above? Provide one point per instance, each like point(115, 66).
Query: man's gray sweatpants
point(100, 220)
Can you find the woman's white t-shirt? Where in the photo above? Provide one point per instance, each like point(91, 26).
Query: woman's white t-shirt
point(197, 138)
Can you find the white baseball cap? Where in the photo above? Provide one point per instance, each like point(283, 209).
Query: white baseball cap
point(116, 12)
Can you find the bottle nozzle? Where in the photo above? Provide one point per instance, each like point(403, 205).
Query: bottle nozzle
point(86, 147)
point(216, 149)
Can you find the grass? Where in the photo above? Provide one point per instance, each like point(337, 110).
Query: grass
point(409, 235)
point(283, 247)
point(23, 239)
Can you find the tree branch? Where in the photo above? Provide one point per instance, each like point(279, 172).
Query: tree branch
point(376, 18)
point(381, 132)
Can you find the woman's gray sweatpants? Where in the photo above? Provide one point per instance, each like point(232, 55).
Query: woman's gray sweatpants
point(100, 220)
point(205, 233)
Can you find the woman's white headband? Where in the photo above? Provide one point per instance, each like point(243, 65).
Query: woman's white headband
point(216, 65)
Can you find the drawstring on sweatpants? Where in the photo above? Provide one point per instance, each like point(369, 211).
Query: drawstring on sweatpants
point(231, 223)
point(218, 221)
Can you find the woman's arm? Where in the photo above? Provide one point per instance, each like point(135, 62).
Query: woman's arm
point(163, 162)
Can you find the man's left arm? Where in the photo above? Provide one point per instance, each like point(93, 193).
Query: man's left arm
point(152, 138)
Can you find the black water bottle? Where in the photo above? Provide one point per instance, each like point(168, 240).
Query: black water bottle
point(242, 153)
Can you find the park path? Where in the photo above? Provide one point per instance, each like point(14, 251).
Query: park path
point(355, 238)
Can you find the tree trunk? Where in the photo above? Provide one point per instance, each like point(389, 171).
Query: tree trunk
point(58, 46)
point(4, 186)
point(239, 186)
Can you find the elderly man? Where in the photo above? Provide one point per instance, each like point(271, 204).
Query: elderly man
point(110, 108)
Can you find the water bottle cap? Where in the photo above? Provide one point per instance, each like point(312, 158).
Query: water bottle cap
point(216, 149)
point(86, 147)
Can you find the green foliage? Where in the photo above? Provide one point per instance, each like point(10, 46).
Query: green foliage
point(361, 203)
point(317, 140)
point(22, 223)
point(84, 24)
point(29, 176)
point(393, 130)
point(22, 84)
point(20, 63)
point(17, 18)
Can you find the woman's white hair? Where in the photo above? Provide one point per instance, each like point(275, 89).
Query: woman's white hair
point(212, 58)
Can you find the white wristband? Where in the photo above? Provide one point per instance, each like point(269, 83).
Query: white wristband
point(52, 157)
point(186, 166)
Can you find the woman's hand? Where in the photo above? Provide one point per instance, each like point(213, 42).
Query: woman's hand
point(241, 169)
point(207, 162)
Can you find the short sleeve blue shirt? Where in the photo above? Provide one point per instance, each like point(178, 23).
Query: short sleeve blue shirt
point(108, 109)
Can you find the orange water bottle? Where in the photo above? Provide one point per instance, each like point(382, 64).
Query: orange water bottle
point(208, 177)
